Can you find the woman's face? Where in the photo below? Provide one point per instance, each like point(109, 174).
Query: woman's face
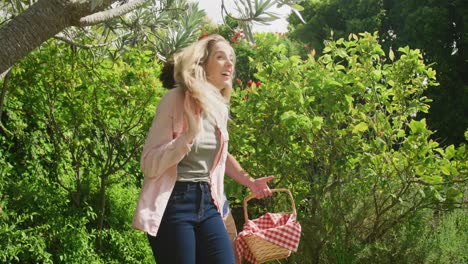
point(219, 67)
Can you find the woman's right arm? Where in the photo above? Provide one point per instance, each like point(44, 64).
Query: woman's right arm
point(161, 151)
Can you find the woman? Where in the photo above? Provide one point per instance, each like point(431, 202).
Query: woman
point(167, 79)
point(185, 158)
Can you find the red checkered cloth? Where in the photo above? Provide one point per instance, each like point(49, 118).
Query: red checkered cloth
point(278, 228)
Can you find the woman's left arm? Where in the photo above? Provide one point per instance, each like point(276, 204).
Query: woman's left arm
point(257, 186)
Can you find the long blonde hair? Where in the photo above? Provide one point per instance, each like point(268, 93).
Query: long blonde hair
point(189, 74)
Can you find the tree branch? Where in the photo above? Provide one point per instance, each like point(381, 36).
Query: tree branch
point(86, 46)
point(102, 16)
point(73, 43)
point(5, 73)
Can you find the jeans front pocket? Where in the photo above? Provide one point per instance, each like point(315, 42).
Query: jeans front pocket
point(178, 194)
point(182, 191)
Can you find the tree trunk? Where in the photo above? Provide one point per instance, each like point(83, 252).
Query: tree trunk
point(30, 29)
point(46, 18)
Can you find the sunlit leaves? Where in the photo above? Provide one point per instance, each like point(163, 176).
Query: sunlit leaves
point(77, 125)
point(259, 11)
point(361, 127)
point(345, 127)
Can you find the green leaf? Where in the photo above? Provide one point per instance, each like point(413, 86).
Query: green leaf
point(341, 53)
point(423, 194)
point(327, 49)
point(417, 127)
point(432, 179)
point(454, 193)
point(439, 197)
point(361, 127)
point(391, 55)
point(401, 133)
point(317, 121)
point(376, 75)
point(298, 7)
point(450, 152)
point(349, 100)
point(446, 169)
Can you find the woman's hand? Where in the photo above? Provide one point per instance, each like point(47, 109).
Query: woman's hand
point(260, 188)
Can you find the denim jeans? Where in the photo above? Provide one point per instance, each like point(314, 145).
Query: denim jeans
point(192, 230)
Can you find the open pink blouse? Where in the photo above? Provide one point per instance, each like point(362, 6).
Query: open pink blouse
point(165, 146)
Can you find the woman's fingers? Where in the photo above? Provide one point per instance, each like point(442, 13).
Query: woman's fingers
point(261, 187)
point(265, 180)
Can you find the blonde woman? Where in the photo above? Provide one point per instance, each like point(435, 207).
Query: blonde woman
point(185, 158)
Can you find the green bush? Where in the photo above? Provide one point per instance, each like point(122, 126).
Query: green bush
point(448, 239)
point(426, 238)
point(72, 128)
point(341, 132)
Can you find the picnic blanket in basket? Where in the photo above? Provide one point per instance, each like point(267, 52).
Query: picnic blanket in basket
point(269, 237)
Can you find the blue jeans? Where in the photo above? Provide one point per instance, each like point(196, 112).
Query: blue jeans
point(192, 230)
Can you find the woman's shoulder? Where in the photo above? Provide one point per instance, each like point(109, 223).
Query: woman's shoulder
point(175, 95)
point(171, 102)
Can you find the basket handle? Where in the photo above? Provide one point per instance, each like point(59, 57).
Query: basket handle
point(251, 196)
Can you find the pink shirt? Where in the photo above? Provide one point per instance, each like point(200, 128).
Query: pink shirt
point(165, 146)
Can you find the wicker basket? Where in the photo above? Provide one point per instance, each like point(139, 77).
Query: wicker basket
point(263, 250)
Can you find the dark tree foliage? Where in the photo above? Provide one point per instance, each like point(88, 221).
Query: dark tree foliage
point(438, 28)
